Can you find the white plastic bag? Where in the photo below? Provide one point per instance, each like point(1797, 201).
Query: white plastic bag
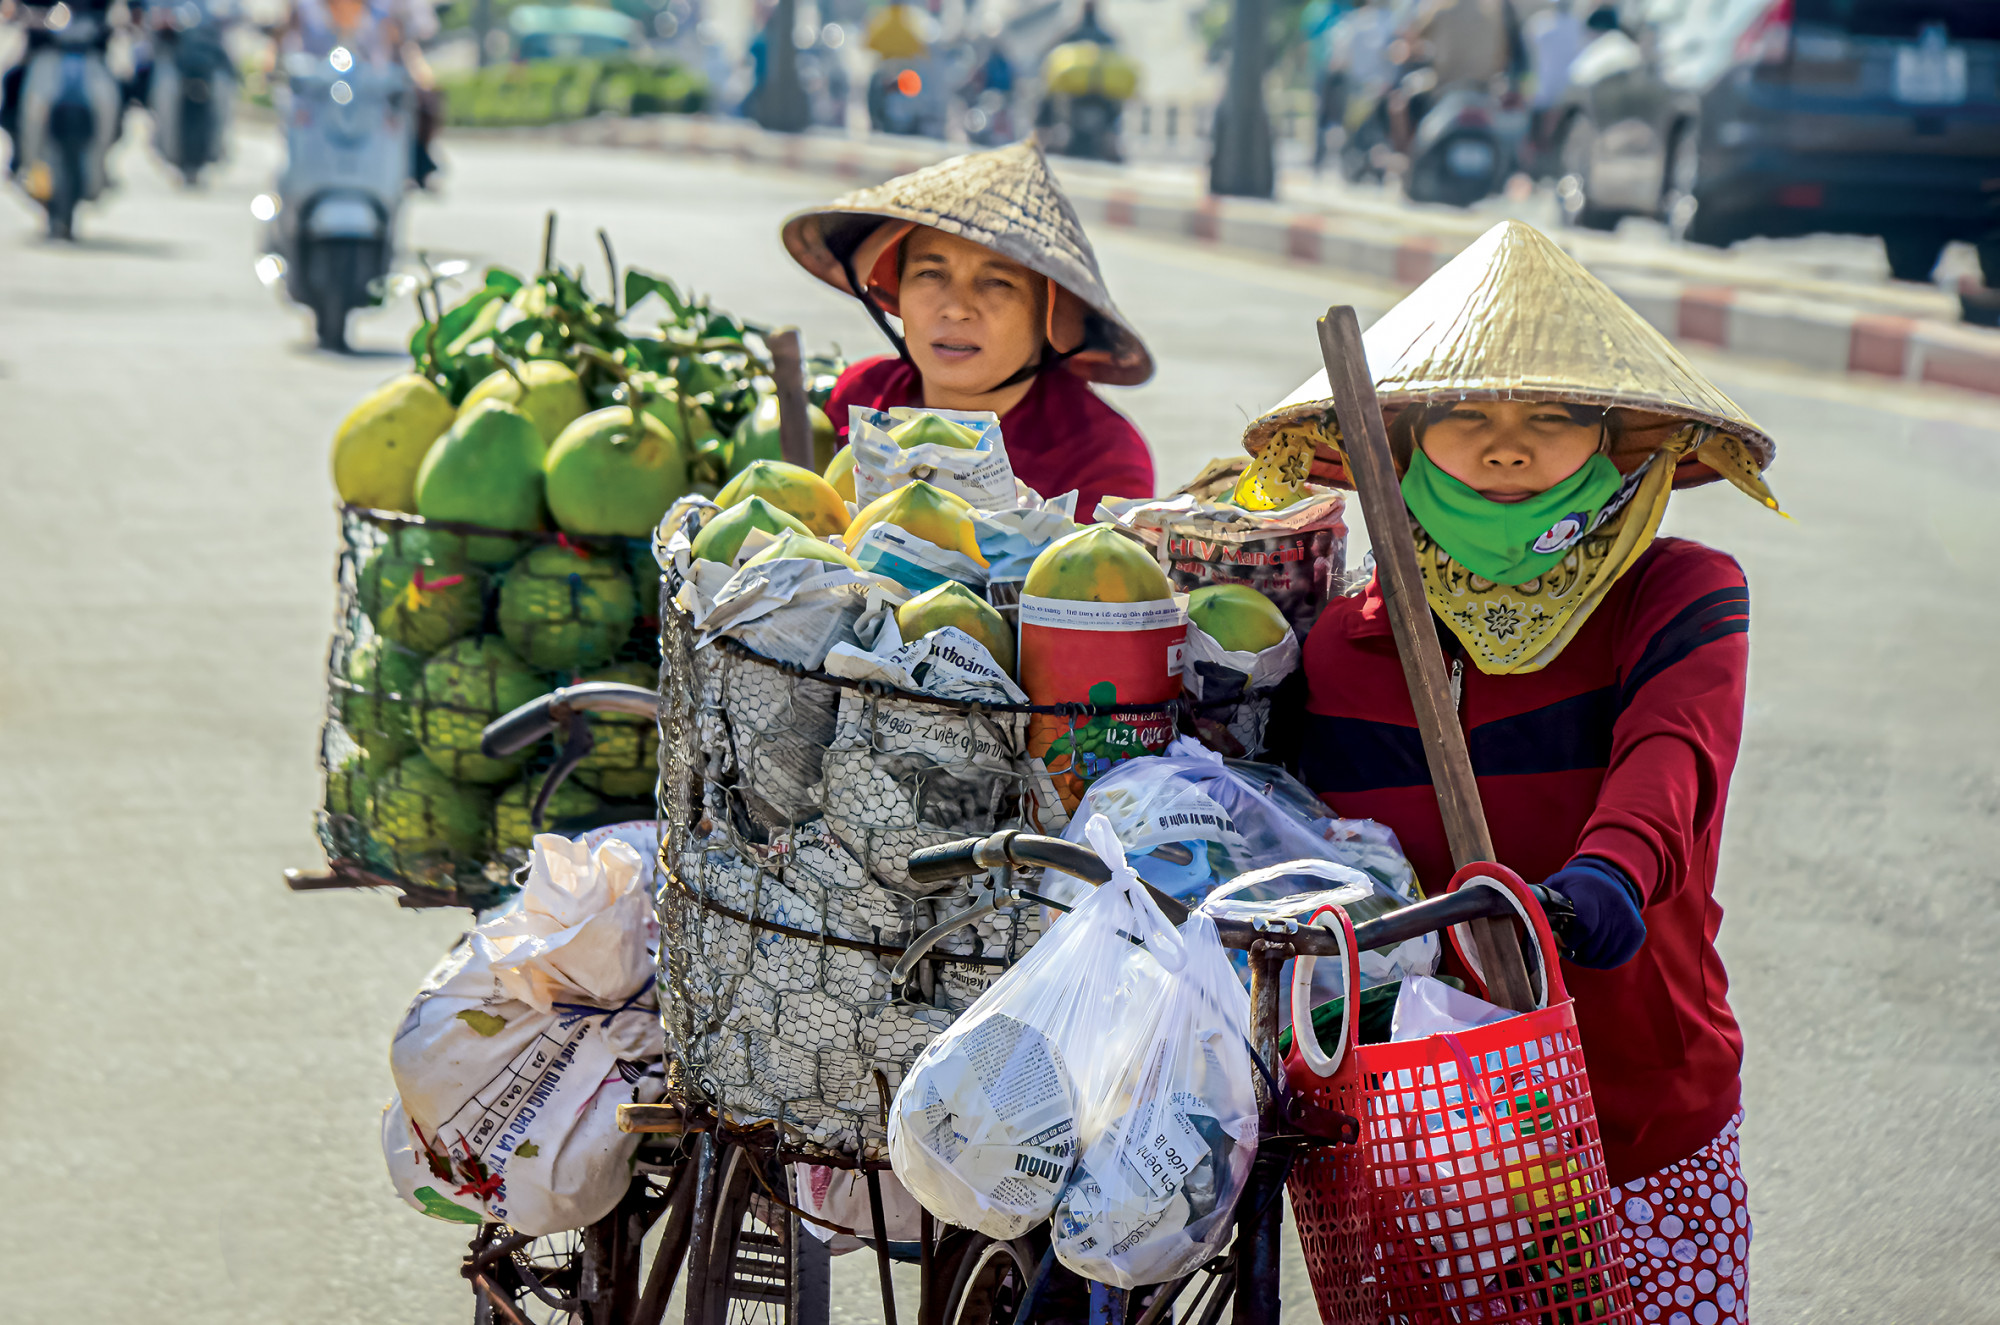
point(1431, 1007)
point(515, 1055)
point(984, 1128)
point(840, 1196)
point(1167, 1152)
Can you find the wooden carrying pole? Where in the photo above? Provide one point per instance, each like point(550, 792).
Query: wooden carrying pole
point(795, 434)
point(1373, 470)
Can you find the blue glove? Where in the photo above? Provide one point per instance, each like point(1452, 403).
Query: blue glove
point(1608, 929)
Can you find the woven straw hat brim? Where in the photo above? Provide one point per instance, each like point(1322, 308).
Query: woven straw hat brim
point(1515, 317)
point(1007, 200)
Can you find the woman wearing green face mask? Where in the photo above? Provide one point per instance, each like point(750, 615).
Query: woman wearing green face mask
point(1599, 670)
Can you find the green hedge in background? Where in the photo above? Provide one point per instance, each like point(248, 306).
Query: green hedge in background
point(549, 91)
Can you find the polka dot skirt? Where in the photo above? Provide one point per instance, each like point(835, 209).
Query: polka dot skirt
point(1687, 1237)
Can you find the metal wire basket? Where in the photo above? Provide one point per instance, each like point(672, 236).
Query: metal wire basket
point(790, 802)
point(446, 828)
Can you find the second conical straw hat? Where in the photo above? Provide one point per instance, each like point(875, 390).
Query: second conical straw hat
point(1008, 200)
point(1515, 317)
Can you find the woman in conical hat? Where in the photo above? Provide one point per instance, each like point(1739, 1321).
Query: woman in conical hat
point(983, 262)
point(1541, 426)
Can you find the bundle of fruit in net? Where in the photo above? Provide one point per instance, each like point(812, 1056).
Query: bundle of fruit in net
point(500, 503)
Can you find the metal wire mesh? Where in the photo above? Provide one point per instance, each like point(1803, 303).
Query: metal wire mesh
point(424, 654)
point(790, 806)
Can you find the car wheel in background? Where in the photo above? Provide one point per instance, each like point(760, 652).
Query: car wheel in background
point(1573, 183)
point(1913, 251)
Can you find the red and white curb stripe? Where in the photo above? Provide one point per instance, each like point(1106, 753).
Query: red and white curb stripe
point(1811, 333)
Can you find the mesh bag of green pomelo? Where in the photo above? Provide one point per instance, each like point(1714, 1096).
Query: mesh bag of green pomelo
point(429, 646)
point(498, 502)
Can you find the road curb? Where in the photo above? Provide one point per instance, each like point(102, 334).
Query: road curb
point(1798, 329)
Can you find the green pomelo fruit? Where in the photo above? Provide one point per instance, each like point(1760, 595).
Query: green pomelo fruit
point(1097, 564)
point(553, 398)
point(933, 430)
point(789, 488)
point(605, 477)
point(693, 426)
point(1237, 617)
point(792, 544)
point(562, 610)
point(722, 537)
point(347, 774)
point(466, 686)
point(386, 677)
point(416, 814)
point(624, 761)
point(382, 442)
point(758, 437)
point(421, 602)
point(511, 827)
point(487, 470)
point(952, 604)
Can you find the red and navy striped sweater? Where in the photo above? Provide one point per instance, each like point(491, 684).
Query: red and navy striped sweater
point(1622, 749)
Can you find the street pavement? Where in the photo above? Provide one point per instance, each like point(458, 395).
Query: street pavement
point(191, 1079)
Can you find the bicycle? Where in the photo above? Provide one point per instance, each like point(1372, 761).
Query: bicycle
point(736, 1245)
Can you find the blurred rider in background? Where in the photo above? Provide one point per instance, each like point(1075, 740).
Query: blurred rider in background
point(379, 33)
point(37, 16)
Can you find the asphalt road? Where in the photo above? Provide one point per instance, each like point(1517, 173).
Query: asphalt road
point(191, 1074)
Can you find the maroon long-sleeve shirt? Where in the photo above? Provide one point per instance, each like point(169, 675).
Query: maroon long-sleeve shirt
point(1060, 435)
point(1621, 748)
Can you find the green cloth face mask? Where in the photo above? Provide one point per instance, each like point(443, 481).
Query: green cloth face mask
point(1508, 542)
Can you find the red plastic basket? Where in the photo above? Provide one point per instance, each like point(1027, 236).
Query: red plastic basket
point(1480, 1158)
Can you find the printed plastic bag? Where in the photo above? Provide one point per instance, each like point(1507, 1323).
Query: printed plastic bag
point(1167, 1152)
point(984, 1128)
point(515, 1055)
point(1232, 819)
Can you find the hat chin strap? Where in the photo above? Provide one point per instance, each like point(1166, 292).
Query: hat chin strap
point(874, 309)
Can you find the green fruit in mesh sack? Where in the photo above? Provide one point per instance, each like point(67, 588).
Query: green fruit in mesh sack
point(623, 762)
point(466, 686)
point(486, 470)
point(347, 774)
point(511, 827)
point(420, 599)
point(416, 813)
point(386, 677)
point(564, 609)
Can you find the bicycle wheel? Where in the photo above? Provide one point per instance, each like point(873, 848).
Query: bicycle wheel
point(581, 1277)
point(992, 1279)
point(754, 1245)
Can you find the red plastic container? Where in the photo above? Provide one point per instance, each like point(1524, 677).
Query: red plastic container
point(1480, 1164)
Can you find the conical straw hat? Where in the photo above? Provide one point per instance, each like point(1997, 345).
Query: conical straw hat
point(1513, 317)
point(1007, 200)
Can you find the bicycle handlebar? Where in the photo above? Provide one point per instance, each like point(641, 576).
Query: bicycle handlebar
point(514, 732)
point(953, 860)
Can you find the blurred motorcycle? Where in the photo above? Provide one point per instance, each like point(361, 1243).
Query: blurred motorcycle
point(1466, 146)
point(1087, 85)
point(193, 85)
point(68, 113)
point(349, 128)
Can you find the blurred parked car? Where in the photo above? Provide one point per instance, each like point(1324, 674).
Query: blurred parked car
point(552, 32)
point(1732, 118)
